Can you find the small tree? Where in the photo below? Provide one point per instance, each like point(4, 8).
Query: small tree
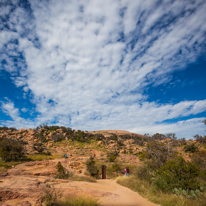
point(199, 158)
point(50, 196)
point(11, 150)
point(39, 147)
point(159, 153)
point(200, 139)
point(91, 168)
point(62, 173)
point(112, 156)
point(191, 148)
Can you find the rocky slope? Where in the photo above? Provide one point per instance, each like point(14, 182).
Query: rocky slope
point(24, 183)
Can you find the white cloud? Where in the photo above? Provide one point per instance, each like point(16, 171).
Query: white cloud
point(87, 59)
point(24, 109)
point(8, 108)
point(186, 128)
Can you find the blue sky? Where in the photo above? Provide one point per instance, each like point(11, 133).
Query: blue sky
point(133, 65)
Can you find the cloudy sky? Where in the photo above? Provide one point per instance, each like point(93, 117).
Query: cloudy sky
point(104, 64)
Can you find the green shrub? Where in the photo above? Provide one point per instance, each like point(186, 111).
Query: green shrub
point(113, 137)
point(178, 173)
point(50, 196)
point(53, 197)
point(116, 167)
point(39, 147)
point(91, 168)
point(11, 150)
point(182, 141)
point(62, 173)
point(41, 137)
point(144, 172)
point(191, 148)
point(200, 139)
point(8, 128)
point(112, 156)
point(199, 158)
point(143, 155)
point(98, 136)
point(80, 136)
point(159, 153)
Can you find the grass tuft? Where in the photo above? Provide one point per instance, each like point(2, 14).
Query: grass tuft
point(53, 197)
point(82, 200)
point(83, 178)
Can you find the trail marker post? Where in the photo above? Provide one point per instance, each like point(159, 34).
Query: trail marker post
point(103, 171)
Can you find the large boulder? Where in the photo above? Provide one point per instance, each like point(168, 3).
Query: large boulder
point(31, 131)
point(23, 130)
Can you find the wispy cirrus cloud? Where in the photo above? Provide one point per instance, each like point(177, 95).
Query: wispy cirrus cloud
point(87, 63)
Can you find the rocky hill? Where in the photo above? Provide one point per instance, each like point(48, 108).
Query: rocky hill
point(22, 182)
point(51, 137)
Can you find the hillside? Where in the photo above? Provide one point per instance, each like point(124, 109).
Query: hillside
point(44, 147)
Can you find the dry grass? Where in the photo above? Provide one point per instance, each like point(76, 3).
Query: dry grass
point(152, 194)
point(74, 200)
point(53, 197)
point(40, 157)
point(83, 178)
point(2, 169)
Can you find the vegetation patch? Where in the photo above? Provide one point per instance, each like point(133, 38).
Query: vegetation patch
point(178, 173)
point(149, 191)
point(11, 150)
point(40, 157)
point(62, 173)
point(83, 178)
point(78, 200)
point(191, 148)
point(53, 197)
point(111, 156)
point(92, 168)
point(7, 165)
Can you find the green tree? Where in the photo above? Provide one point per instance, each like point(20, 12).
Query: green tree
point(39, 147)
point(11, 150)
point(191, 148)
point(91, 168)
point(178, 173)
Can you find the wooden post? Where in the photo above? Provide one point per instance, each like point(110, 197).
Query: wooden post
point(103, 171)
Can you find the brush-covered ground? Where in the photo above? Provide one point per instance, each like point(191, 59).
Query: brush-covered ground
point(163, 170)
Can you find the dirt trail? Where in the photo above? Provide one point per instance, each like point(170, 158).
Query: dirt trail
point(117, 195)
point(123, 196)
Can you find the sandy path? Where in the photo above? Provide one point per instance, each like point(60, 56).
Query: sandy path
point(120, 196)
